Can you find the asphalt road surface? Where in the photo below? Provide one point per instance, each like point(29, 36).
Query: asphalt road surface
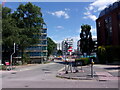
point(44, 76)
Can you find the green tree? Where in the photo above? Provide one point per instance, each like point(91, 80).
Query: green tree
point(10, 33)
point(29, 20)
point(22, 27)
point(0, 24)
point(51, 46)
point(86, 42)
point(59, 52)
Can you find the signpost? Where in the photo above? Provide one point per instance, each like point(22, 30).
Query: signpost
point(7, 65)
point(70, 61)
point(70, 50)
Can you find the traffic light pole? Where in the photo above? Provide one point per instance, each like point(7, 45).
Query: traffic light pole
point(66, 47)
point(66, 64)
point(70, 63)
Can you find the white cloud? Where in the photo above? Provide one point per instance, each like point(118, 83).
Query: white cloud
point(89, 15)
point(78, 30)
point(96, 6)
point(92, 17)
point(60, 14)
point(60, 27)
point(90, 8)
point(101, 4)
point(94, 36)
point(93, 29)
point(67, 9)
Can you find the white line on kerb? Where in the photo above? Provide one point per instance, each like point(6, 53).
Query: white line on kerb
point(61, 69)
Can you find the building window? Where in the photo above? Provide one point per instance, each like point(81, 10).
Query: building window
point(44, 48)
point(108, 32)
point(44, 31)
point(44, 37)
point(119, 16)
point(44, 42)
point(98, 24)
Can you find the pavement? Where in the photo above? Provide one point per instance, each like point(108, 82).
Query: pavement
point(23, 68)
point(101, 73)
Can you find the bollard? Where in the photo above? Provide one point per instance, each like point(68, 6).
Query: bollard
point(92, 68)
point(66, 72)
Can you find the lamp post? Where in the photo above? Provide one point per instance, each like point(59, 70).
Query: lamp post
point(11, 56)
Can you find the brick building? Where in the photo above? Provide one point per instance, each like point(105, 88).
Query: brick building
point(108, 25)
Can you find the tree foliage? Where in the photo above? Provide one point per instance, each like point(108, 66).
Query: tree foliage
point(20, 27)
point(10, 33)
point(29, 20)
point(0, 25)
point(86, 42)
point(51, 46)
point(59, 52)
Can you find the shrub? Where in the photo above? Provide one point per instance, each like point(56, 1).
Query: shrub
point(101, 53)
point(108, 54)
point(26, 58)
point(113, 53)
point(84, 61)
point(2, 67)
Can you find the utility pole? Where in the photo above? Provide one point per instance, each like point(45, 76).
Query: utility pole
point(11, 56)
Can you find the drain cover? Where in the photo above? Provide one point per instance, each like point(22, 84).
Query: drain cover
point(13, 73)
point(26, 85)
point(45, 70)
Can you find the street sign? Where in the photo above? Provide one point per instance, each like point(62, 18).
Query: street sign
point(7, 63)
point(70, 49)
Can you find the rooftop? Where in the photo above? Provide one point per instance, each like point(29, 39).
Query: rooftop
point(110, 8)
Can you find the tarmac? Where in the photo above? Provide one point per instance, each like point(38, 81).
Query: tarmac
point(100, 73)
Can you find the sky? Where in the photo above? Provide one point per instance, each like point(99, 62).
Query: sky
point(64, 19)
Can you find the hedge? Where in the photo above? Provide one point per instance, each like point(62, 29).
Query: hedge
point(84, 61)
point(108, 54)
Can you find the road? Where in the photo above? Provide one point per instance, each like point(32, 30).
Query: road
point(44, 76)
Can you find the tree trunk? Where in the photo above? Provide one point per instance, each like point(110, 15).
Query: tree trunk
point(22, 53)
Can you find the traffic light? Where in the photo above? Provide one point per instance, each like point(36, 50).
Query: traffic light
point(66, 46)
point(17, 47)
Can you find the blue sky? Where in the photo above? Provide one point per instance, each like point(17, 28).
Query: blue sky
point(64, 19)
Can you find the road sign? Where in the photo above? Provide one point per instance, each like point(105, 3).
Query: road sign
point(7, 63)
point(70, 49)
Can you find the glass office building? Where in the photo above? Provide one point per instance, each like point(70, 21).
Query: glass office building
point(38, 52)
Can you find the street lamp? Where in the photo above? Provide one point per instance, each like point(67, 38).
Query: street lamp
point(12, 55)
